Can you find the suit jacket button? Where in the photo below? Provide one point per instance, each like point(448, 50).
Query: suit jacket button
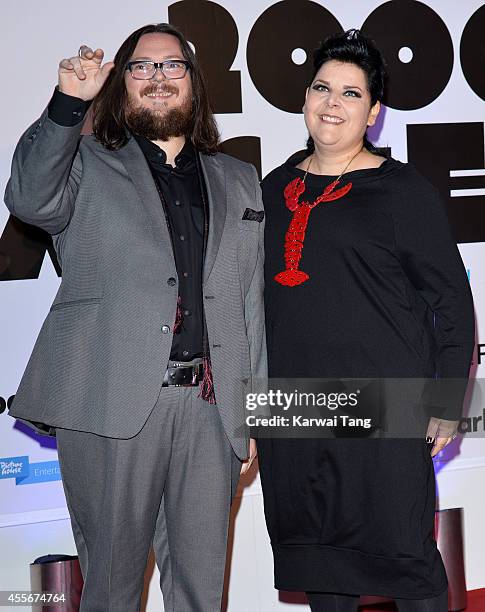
point(171, 281)
point(165, 329)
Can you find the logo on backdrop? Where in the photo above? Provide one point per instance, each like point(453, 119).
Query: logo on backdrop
point(4, 404)
point(29, 473)
point(420, 53)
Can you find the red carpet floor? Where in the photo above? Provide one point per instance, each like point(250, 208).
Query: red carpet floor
point(476, 603)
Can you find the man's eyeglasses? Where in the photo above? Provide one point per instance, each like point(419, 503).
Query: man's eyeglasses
point(171, 69)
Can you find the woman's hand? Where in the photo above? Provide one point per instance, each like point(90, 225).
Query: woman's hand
point(82, 76)
point(253, 451)
point(441, 432)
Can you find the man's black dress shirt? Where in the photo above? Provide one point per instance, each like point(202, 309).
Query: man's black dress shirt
point(183, 205)
point(184, 208)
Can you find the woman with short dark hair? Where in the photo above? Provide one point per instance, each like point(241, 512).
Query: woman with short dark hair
point(363, 280)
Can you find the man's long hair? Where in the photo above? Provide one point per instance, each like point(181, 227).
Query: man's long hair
point(109, 123)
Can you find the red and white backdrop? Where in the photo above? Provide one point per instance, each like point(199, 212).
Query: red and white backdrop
point(257, 56)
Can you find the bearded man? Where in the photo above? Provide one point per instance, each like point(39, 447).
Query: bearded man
point(158, 319)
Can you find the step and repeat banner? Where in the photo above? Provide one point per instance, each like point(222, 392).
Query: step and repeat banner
point(257, 58)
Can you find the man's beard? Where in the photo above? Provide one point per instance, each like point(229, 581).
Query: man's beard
point(156, 125)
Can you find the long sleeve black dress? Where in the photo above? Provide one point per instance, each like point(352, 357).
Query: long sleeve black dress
point(387, 296)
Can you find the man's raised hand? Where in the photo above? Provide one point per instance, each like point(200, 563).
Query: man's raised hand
point(83, 75)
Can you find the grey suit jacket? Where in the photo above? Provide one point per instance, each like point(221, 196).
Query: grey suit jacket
point(100, 357)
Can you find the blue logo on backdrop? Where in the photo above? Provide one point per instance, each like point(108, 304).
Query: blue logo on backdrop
point(29, 473)
point(14, 467)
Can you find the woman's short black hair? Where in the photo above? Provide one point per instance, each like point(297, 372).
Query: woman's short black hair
point(353, 47)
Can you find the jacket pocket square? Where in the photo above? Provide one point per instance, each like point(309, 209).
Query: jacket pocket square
point(253, 215)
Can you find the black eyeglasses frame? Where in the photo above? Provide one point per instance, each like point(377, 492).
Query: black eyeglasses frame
point(156, 66)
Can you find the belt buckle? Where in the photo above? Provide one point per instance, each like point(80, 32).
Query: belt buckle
point(193, 381)
point(189, 370)
point(194, 372)
point(172, 375)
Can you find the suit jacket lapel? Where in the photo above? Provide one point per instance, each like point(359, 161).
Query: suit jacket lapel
point(139, 172)
point(215, 182)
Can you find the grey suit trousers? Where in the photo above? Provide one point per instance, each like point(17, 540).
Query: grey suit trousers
point(172, 486)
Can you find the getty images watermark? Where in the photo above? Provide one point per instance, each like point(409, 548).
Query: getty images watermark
point(304, 399)
point(369, 408)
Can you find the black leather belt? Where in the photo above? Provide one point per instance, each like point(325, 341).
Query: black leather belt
point(183, 375)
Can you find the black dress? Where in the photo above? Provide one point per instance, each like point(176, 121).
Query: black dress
point(387, 296)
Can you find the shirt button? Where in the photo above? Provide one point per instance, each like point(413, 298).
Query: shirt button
point(186, 313)
point(185, 353)
point(177, 202)
point(165, 329)
point(171, 281)
point(185, 274)
point(182, 237)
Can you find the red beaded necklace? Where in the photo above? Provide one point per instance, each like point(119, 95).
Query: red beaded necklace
point(295, 235)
